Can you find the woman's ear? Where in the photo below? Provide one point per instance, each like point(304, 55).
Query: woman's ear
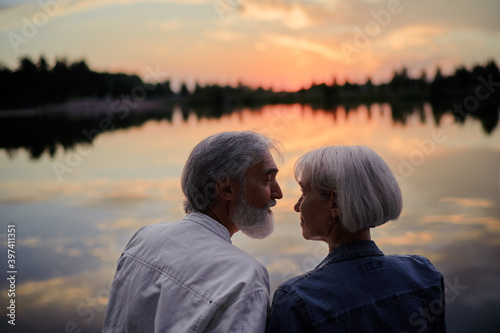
point(334, 208)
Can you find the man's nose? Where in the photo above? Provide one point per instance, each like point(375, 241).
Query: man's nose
point(277, 194)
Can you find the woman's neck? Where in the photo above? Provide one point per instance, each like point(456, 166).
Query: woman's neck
point(340, 235)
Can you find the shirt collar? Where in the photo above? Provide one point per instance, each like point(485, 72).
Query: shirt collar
point(210, 224)
point(352, 250)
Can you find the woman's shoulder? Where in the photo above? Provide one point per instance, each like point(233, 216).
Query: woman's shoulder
point(414, 259)
point(302, 281)
point(413, 263)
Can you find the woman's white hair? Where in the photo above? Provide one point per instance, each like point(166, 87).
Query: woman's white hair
point(218, 159)
point(366, 190)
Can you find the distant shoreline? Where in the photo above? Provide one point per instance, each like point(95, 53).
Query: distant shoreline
point(86, 107)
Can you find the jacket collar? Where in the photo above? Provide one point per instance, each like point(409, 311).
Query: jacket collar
point(210, 224)
point(350, 251)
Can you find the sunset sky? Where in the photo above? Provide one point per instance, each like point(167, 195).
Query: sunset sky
point(275, 43)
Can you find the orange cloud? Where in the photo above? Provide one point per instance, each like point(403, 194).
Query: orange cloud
point(410, 237)
point(468, 202)
point(489, 222)
point(303, 44)
point(291, 14)
point(415, 36)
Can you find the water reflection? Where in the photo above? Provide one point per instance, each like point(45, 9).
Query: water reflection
point(45, 132)
point(72, 230)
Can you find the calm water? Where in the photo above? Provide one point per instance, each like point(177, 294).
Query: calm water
point(75, 212)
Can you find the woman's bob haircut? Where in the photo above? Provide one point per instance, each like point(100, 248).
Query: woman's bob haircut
point(364, 187)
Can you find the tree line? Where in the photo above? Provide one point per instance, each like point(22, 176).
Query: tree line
point(39, 84)
point(34, 84)
point(466, 92)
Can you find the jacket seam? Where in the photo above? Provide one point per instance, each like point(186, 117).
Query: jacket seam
point(384, 301)
point(176, 281)
point(301, 304)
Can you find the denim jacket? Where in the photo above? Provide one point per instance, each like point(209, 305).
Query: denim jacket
point(357, 288)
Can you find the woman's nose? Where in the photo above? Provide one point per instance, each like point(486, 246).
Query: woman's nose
point(297, 205)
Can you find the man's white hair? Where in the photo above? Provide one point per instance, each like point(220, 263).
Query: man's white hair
point(218, 159)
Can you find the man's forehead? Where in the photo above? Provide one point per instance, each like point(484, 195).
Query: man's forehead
point(266, 166)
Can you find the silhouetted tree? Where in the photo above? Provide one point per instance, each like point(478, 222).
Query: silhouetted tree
point(37, 84)
point(184, 92)
point(34, 84)
point(436, 87)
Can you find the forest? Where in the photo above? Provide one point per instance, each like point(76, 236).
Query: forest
point(35, 84)
point(31, 116)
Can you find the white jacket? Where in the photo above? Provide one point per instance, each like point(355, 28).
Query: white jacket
point(187, 277)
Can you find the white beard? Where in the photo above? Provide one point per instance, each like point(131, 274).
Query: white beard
point(254, 222)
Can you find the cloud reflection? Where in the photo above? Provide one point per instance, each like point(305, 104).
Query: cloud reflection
point(410, 237)
point(97, 192)
point(52, 303)
point(469, 202)
point(490, 223)
point(127, 224)
point(79, 227)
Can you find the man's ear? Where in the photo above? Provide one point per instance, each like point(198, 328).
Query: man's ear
point(227, 189)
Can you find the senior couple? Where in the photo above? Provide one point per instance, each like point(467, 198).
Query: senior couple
point(188, 277)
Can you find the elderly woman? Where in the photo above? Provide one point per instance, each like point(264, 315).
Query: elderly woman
point(346, 190)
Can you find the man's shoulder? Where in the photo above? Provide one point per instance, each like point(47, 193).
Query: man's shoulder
point(159, 227)
point(152, 231)
point(244, 259)
point(165, 230)
point(193, 243)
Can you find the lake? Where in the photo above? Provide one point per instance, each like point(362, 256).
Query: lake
point(74, 212)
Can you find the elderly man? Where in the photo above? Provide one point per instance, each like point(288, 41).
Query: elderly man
point(187, 276)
